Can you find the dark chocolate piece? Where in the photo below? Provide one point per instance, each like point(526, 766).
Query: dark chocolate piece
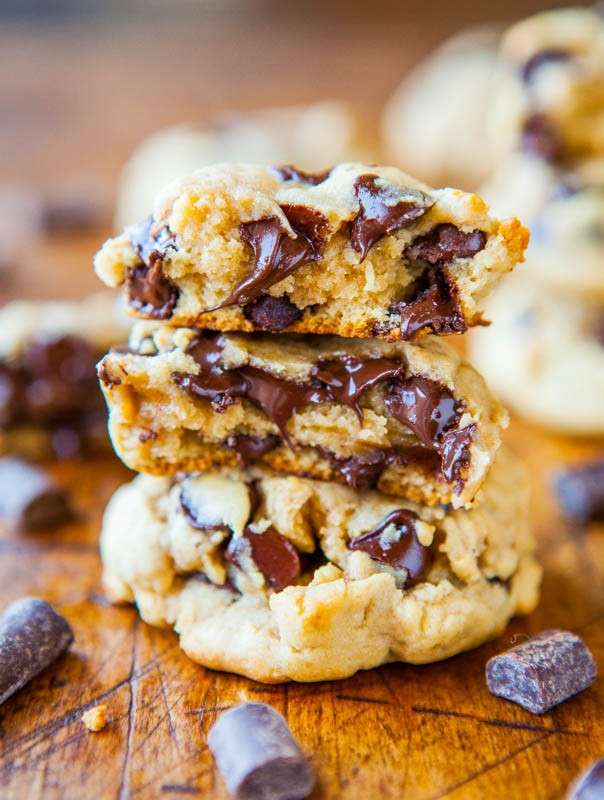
point(548, 55)
point(444, 243)
point(250, 449)
point(435, 306)
point(542, 672)
point(276, 254)
point(362, 471)
point(398, 547)
point(590, 784)
point(581, 491)
point(151, 237)
point(273, 314)
point(539, 138)
point(384, 209)
point(29, 497)
point(149, 291)
point(287, 172)
point(257, 755)
point(273, 554)
point(32, 636)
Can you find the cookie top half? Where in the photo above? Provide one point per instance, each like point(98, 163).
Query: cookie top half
point(357, 251)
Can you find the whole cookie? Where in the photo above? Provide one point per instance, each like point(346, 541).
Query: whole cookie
point(281, 578)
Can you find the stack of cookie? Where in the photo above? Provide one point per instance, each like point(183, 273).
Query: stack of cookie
point(323, 488)
point(544, 354)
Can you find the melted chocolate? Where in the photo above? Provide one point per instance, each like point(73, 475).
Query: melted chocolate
point(430, 410)
point(444, 243)
point(434, 306)
point(149, 291)
point(348, 377)
point(287, 172)
point(250, 449)
point(360, 472)
point(276, 253)
point(276, 558)
point(52, 384)
point(272, 314)
point(399, 549)
point(548, 55)
point(383, 210)
point(539, 138)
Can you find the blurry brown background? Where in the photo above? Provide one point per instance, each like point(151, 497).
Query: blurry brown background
point(83, 82)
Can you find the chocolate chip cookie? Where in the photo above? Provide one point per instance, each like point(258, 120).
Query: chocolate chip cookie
point(358, 250)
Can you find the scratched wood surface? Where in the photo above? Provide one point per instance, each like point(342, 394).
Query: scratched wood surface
point(72, 104)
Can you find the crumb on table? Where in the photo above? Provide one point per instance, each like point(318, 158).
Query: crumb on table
point(95, 718)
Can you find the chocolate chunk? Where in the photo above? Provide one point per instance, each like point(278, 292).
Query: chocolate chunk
point(29, 497)
point(149, 291)
point(348, 377)
point(394, 543)
point(384, 209)
point(273, 554)
point(590, 784)
point(275, 252)
point(548, 55)
point(257, 755)
point(272, 314)
point(32, 636)
point(444, 243)
point(581, 491)
point(539, 138)
point(431, 411)
point(542, 672)
point(362, 471)
point(250, 449)
point(151, 237)
point(290, 173)
point(435, 306)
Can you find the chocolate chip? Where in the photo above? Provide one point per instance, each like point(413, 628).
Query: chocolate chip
point(548, 55)
point(276, 254)
point(257, 755)
point(32, 636)
point(288, 172)
point(29, 497)
point(581, 491)
point(362, 471)
point(434, 306)
point(272, 314)
point(384, 209)
point(151, 237)
point(539, 138)
point(444, 243)
point(394, 543)
point(149, 291)
point(250, 449)
point(590, 784)
point(542, 672)
point(220, 386)
point(273, 554)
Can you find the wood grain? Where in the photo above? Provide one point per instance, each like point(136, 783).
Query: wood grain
point(73, 103)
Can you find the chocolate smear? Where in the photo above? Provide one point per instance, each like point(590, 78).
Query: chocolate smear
point(580, 491)
point(32, 636)
point(384, 209)
point(434, 306)
point(542, 672)
point(394, 543)
point(220, 386)
point(444, 243)
point(287, 172)
point(250, 449)
point(29, 498)
point(257, 755)
point(431, 411)
point(276, 253)
point(360, 471)
point(548, 55)
point(273, 554)
point(273, 314)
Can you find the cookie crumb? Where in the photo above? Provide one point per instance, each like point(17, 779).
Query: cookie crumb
point(95, 718)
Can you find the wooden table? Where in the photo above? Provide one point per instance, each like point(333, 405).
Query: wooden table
point(73, 103)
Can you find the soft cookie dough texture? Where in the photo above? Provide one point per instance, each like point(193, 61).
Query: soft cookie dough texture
point(360, 251)
point(425, 427)
point(164, 543)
